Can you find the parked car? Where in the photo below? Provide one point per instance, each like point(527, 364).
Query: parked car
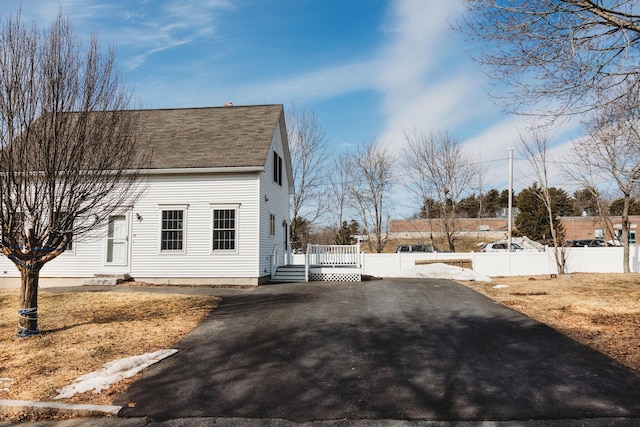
point(417, 248)
point(586, 243)
point(501, 247)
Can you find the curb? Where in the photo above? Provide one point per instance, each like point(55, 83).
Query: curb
point(51, 408)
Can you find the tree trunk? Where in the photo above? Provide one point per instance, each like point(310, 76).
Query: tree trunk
point(558, 253)
point(625, 246)
point(28, 313)
point(625, 233)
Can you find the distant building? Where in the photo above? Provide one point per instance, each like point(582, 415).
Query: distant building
point(491, 228)
point(592, 227)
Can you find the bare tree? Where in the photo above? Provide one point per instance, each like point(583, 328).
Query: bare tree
point(535, 148)
point(309, 157)
point(439, 169)
point(370, 190)
point(589, 176)
point(340, 182)
point(556, 55)
point(69, 155)
point(611, 151)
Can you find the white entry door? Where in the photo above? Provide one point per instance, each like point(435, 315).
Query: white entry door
point(117, 240)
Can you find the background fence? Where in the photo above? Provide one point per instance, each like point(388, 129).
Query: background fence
point(492, 264)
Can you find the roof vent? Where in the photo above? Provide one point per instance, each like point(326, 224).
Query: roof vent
point(229, 104)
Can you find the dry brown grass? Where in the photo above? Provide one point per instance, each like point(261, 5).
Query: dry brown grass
point(598, 310)
point(82, 331)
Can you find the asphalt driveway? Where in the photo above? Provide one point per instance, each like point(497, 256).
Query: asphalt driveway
point(409, 349)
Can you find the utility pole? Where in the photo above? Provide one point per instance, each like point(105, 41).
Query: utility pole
point(509, 221)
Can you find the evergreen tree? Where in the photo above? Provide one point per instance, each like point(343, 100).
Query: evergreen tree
point(430, 209)
point(300, 232)
point(494, 201)
point(346, 232)
point(585, 201)
point(532, 220)
point(615, 208)
point(469, 207)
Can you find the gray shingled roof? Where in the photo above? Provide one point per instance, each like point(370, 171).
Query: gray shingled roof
point(210, 137)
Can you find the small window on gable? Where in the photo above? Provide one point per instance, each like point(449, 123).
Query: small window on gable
point(277, 168)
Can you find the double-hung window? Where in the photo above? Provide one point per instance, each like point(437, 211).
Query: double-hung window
point(225, 229)
point(277, 168)
point(61, 222)
point(272, 225)
point(172, 230)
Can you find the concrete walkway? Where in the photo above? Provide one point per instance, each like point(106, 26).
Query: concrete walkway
point(410, 349)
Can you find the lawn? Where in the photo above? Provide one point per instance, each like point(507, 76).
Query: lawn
point(598, 310)
point(82, 331)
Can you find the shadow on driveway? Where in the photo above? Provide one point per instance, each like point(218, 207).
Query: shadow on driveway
point(403, 349)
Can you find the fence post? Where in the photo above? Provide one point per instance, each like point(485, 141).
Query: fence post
point(306, 262)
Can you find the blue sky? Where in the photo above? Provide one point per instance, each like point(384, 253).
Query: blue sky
point(369, 69)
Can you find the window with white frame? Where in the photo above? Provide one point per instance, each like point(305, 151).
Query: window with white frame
point(632, 236)
point(272, 225)
point(59, 223)
point(224, 229)
point(172, 230)
point(277, 168)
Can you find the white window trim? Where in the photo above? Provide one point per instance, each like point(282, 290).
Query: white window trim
point(272, 215)
point(278, 165)
point(173, 207)
point(74, 245)
point(224, 206)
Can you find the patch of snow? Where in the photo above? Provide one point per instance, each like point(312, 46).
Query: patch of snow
point(6, 383)
point(112, 373)
point(500, 286)
point(440, 271)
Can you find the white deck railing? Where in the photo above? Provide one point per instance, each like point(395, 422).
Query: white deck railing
point(333, 255)
point(274, 261)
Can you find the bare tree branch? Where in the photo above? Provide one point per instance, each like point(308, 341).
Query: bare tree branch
point(309, 157)
point(556, 57)
point(611, 150)
point(370, 191)
point(534, 147)
point(69, 153)
point(441, 170)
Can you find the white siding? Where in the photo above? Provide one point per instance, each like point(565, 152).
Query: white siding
point(278, 204)
point(83, 261)
point(254, 195)
point(198, 196)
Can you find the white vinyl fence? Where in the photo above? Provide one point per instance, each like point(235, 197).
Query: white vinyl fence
point(493, 264)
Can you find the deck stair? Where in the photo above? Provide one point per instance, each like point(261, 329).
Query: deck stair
point(290, 274)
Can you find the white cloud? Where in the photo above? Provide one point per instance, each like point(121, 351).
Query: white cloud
point(418, 91)
point(494, 141)
point(418, 33)
point(441, 106)
point(149, 31)
point(328, 82)
point(141, 28)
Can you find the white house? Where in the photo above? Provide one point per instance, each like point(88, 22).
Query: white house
point(215, 209)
